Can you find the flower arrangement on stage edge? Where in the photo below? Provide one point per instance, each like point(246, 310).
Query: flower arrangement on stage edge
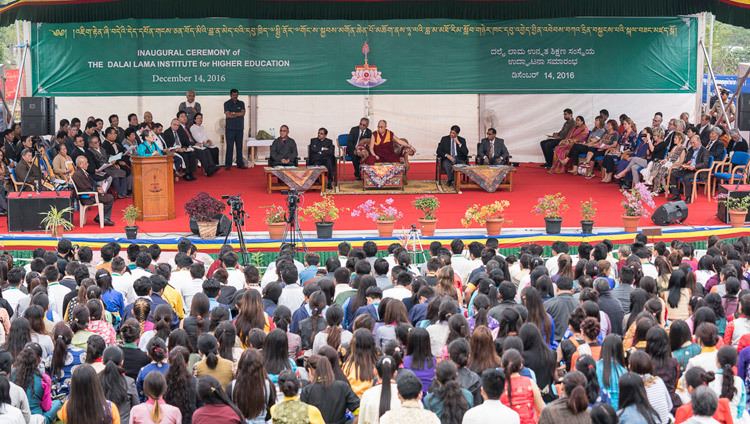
point(637, 199)
point(588, 212)
point(481, 213)
point(203, 207)
point(274, 214)
point(551, 206)
point(325, 213)
point(382, 212)
point(737, 208)
point(428, 205)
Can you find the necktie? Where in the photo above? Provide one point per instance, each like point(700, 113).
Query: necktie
point(492, 148)
point(361, 134)
point(176, 139)
point(453, 148)
point(190, 137)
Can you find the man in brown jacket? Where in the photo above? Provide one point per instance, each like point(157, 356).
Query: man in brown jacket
point(85, 183)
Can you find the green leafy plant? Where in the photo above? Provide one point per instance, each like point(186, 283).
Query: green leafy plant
point(481, 213)
point(427, 204)
point(324, 211)
point(274, 214)
point(256, 259)
point(54, 218)
point(551, 206)
point(130, 214)
point(734, 203)
point(588, 209)
point(203, 207)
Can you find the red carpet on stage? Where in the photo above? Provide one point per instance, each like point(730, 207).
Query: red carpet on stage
point(531, 182)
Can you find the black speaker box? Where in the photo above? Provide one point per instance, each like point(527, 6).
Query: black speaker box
point(37, 106)
point(223, 228)
point(24, 212)
point(671, 212)
point(743, 111)
point(38, 116)
point(36, 125)
point(735, 191)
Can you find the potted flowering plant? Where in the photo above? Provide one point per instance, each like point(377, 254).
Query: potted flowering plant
point(551, 207)
point(428, 205)
point(275, 219)
point(129, 215)
point(636, 200)
point(384, 214)
point(490, 215)
point(325, 213)
point(56, 221)
point(737, 207)
point(203, 210)
point(588, 211)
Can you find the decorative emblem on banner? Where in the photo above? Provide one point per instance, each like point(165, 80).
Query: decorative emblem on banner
point(366, 76)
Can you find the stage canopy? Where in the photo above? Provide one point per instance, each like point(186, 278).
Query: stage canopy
point(735, 12)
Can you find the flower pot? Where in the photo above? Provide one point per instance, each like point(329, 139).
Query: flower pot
point(494, 225)
point(131, 232)
point(587, 227)
point(427, 226)
point(207, 229)
point(630, 223)
point(737, 218)
point(276, 230)
point(552, 225)
point(324, 229)
point(57, 232)
point(385, 228)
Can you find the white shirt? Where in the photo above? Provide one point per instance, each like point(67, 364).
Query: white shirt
point(649, 270)
point(491, 411)
point(236, 278)
point(551, 264)
point(459, 264)
point(199, 134)
point(58, 292)
point(188, 291)
point(124, 285)
point(19, 400)
point(11, 415)
point(398, 292)
point(470, 266)
point(292, 297)
point(139, 272)
point(270, 275)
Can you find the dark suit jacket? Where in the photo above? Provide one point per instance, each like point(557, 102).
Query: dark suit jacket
point(462, 151)
point(740, 146)
point(669, 140)
point(168, 136)
point(500, 152)
point(704, 135)
point(74, 153)
point(716, 150)
point(316, 148)
point(84, 183)
point(351, 142)
point(701, 162)
point(285, 150)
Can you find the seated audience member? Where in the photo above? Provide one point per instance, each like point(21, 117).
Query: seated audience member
point(715, 147)
point(410, 393)
point(283, 149)
point(737, 143)
point(199, 135)
point(177, 141)
point(592, 144)
point(577, 135)
point(656, 173)
point(62, 164)
point(554, 139)
point(492, 150)
point(97, 158)
point(356, 135)
point(452, 150)
point(696, 158)
point(322, 153)
point(28, 170)
point(625, 148)
point(84, 183)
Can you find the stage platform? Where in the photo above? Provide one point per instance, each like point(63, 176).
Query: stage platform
point(531, 182)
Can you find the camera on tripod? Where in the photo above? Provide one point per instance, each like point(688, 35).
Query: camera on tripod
point(292, 198)
point(234, 202)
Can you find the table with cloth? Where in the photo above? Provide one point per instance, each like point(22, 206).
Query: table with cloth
point(383, 175)
point(488, 177)
point(296, 178)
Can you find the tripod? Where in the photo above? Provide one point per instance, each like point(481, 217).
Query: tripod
point(292, 230)
point(238, 220)
point(413, 244)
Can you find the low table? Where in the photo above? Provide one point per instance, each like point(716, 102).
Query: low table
point(383, 175)
point(254, 143)
point(299, 179)
point(489, 178)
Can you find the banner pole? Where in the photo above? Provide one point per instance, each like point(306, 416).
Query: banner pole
point(20, 79)
point(716, 87)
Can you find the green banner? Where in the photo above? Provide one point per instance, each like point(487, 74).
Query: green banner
point(166, 57)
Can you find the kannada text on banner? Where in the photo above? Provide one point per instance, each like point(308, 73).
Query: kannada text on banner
point(166, 57)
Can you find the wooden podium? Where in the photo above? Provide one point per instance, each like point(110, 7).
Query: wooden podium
point(153, 187)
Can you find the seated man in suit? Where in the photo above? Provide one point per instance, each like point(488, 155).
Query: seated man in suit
point(737, 143)
point(78, 148)
point(84, 183)
point(715, 147)
point(200, 151)
point(356, 134)
point(321, 153)
point(697, 157)
point(283, 149)
point(97, 157)
point(453, 150)
point(492, 150)
point(704, 129)
point(176, 142)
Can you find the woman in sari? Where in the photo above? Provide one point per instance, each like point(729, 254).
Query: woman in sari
point(627, 145)
point(657, 172)
point(383, 145)
point(578, 134)
point(590, 146)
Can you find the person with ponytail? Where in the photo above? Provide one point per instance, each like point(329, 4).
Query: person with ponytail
point(729, 386)
point(634, 407)
point(36, 385)
point(449, 401)
point(332, 397)
point(698, 377)
point(521, 394)
point(134, 358)
point(252, 391)
point(197, 322)
point(481, 305)
point(118, 388)
point(217, 408)
point(656, 391)
point(383, 397)
point(282, 319)
point(251, 315)
point(586, 365)
point(94, 350)
point(157, 351)
point(212, 364)
point(80, 318)
point(610, 367)
point(86, 403)
point(35, 315)
point(162, 326)
point(155, 410)
point(335, 360)
point(334, 335)
point(292, 410)
point(64, 358)
point(141, 311)
point(226, 336)
point(18, 336)
point(181, 385)
point(98, 325)
point(315, 323)
point(572, 407)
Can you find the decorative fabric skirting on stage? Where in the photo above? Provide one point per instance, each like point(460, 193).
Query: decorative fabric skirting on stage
point(414, 187)
point(298, 179)
point(488, 177)
point(383, 175)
